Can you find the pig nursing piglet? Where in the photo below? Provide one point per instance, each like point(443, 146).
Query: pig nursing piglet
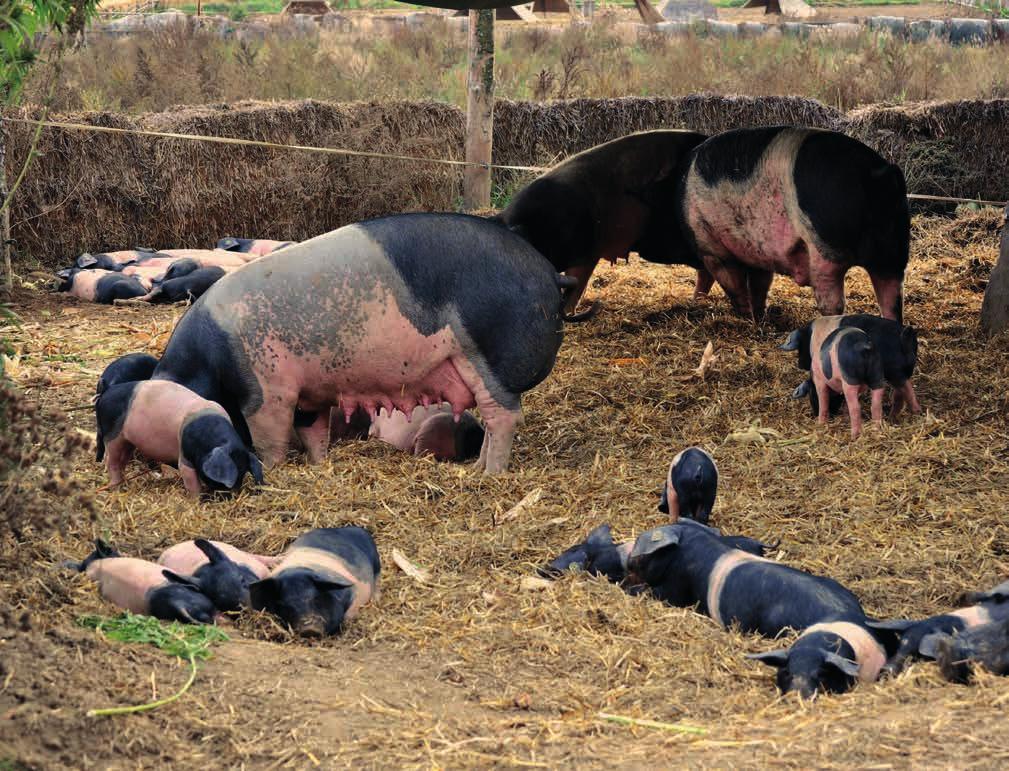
point(407, 309)
point(145, 588)
point(169, 423)
point(321, 580)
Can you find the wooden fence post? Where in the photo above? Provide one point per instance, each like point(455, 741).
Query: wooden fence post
point(479, 110)
point(995, 308)
point(5, 218)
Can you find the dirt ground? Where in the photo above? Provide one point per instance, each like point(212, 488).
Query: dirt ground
point(480, 667)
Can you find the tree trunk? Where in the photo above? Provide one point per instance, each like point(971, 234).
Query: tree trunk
point(5, 219)
point(995, 308)
point(479, 110)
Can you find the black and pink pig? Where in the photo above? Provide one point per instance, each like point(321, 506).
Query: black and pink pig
point(126, 369)
point(321, 581)
point(219, 570)
point(100, 286)
point(691, 486)
point(168, 423)
point(253, 247)
point(986, 645)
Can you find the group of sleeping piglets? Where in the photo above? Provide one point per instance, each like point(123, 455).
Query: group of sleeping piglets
point(729, 578)
point(159, 276)
point(168, 423)
point(320, 581)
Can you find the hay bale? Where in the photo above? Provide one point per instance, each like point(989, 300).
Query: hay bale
point(751, 29)
point(796, 29)
point(962, 32)
point(673, 28)
point(722, 29)
point(843, 30)
point(921, 30)
point(686, 10)
point(1000, 30)
point(945, 148)
point(894, 25)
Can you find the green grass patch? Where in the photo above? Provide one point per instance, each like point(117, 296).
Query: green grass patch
point(186, 641)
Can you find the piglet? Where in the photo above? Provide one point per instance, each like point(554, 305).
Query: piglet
point(145, 588)
point(430, 430)
point(686, 564)
point(126, 369)
point(897, 346)
point(100, 286)
point(219, 570)
point(918, 639)
point(112, 260)
point(254, 247)
point(848, 363)
point(169, 423)
point(188, 286)
point(690, 487)
point(322, 580)
point(987, 645)
point(206, 258)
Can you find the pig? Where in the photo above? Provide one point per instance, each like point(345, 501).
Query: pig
point(205, 258)
point(145, 588)
point(431, 430)
point(685, 564)
point(100, 286)
point(848, 363)
point(189, 286)
point(408, 308)
point(169, 423)
point(115, 261)
point(987, 645)
point(599, 555)
point(254, 247)
point(918, 638)
point(897, 346)
point(806, 203)
point(604, 203)
point(126, 369)
point(321, 580)
point(690, 487)
point(219, 570)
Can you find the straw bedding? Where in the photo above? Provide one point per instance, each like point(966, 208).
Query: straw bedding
point(480, 667)
point(95, 192)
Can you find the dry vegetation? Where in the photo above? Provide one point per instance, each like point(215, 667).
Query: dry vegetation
point(604, 60)
point(477, 668)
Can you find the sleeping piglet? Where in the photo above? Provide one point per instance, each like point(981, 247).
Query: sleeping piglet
point(145, 588)
point(430, 430)
point(987, 645)
point(848, 363)
point(321, 580)
point(112, 260)
point(100, 286)
point(254, 247)
point(918, 638)
point(126, 369)
point(219, 570)
point(685, 564)
point(690, 487)
point(169, 423)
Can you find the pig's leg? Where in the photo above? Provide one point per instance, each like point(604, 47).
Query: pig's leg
point(190, 479)
point(703, 283)
point(315, 437)
point(823, 399)
point(582, 274)
point(118, 454)
point(270, 426)
point(898, 402)
point(912, 400)
point(889, 291)
point(827, 280)
point(731, 276)
point(854, 410)
point(877, 406)
point(500, 421)
point(759, 282)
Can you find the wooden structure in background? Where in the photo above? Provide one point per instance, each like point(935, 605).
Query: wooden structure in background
point(508, 13)
point(476, 180)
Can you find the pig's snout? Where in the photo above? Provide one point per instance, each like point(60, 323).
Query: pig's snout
point(310, 626)
point(804, 686)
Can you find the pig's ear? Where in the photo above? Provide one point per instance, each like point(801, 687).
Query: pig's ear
point(228, 244)
point(802, 389)
point(793, 342)
point(653, 541)
point(175, 578)
point(847, 666)
point(601, 536)
point(86, 260)
point(215, 555)
point(999, 594)
point(664, 500)
point(891, 625)
point(255, 468)
point(263, 594)
point(929, 645)
point(219, 467)
point(777, 659)
point(331, 584)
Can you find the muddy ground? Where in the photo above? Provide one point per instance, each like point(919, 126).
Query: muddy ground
point(478, 668)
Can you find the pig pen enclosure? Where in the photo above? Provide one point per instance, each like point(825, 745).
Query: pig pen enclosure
point(481, 664)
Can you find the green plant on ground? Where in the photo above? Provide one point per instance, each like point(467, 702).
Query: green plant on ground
point(189, 642)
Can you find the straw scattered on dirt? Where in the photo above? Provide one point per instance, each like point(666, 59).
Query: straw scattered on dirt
point(477, 667)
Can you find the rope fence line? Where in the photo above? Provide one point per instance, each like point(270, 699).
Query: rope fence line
point(369, 154)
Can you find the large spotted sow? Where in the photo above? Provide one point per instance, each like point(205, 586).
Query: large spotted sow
point(407, 309)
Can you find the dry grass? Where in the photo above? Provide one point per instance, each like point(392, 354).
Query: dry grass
point(603, 60)
point(473, 669)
